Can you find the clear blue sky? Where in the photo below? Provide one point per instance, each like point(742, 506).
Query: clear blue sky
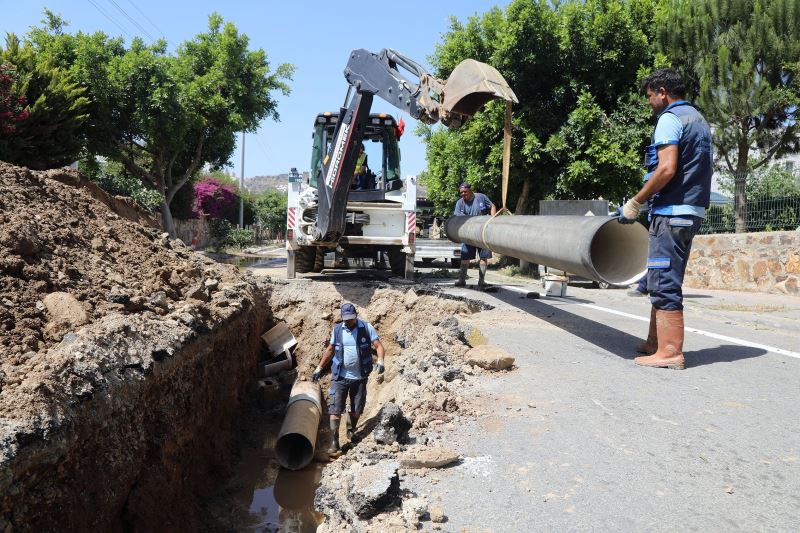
point(315, 36)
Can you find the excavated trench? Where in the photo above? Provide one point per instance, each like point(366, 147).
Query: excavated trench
point(129, 372)
point(261, 496)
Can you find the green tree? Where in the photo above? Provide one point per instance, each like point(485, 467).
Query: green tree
point(740, 58)
point(164, 117)
point(550, 56)
point(112, 178)
point(599, 153)
point(270, 210)
point(51, 133)
point(772, 181)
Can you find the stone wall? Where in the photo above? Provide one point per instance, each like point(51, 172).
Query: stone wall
point(763, 262)
point(191, 231)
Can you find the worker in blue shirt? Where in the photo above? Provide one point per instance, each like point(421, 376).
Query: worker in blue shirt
point(350, 351)
point(473, 204)
point(680, 190)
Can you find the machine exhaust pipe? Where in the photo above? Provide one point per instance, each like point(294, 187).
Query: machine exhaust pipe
point(594, 247)
point(298, 436)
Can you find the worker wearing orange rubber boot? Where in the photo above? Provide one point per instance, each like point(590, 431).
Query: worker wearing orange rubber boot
point(680, 188)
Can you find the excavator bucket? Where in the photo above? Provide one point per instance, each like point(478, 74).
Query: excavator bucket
point(471, 85)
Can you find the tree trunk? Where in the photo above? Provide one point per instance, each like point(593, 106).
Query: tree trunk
point(740, 199)
point(522, 200)
point(740, 180)
point(166, 218)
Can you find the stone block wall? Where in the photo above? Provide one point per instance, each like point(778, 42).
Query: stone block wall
point(195, 229)
point(762, 262)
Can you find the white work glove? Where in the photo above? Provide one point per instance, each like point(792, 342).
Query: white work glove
point(629, 212)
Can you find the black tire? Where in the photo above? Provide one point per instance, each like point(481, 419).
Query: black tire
point(397, 261)
point(304, 259)
point(455, 263)
point(319, 260)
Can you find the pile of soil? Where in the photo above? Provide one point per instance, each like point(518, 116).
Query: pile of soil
point(64, 236)
point(101, 312)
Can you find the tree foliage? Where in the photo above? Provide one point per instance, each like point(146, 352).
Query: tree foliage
point(112, 177)
point(741, 58)
point(13, 102)
point(577, 131)
point(270, 210)
point(214, 199)
point(47, 132)
point(598, 153)
point(162, 116)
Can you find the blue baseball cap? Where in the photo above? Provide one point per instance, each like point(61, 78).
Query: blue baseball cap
point(348, 311)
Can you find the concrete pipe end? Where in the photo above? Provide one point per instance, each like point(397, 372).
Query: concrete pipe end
point(619, 252)
point(294, 451)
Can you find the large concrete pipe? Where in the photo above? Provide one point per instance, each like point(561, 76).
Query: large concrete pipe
point(298, 435)
point(597, 248)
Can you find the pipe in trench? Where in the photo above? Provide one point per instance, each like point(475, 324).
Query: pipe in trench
point(298, 436)
point(593, 247)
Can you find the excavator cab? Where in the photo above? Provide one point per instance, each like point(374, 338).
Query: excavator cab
point(382, 172)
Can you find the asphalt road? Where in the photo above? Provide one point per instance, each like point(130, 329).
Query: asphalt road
point(578, 438)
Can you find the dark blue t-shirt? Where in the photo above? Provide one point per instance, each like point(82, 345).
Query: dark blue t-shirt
point(480, 205)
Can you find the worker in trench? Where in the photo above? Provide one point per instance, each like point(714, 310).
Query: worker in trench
point(350, 350)
point(472, 204)
point(679, 189)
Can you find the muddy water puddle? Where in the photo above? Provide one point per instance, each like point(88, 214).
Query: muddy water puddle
point(254, 262)
point(286, 503)
point(262, 497)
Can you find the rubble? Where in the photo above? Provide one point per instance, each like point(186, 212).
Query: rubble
point(373, 488)
point(433, 457)
point(437, 515)
point(489, 358)
point(392, 425)
point(109, 366)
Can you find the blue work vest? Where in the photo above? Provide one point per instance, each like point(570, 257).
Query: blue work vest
point(363, 346)
point(691, 184)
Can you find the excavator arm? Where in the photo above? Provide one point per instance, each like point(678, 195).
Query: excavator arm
point(425, 98)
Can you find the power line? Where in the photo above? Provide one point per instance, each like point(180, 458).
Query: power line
point(153, 24)
point(144, 31)
point(106, 15)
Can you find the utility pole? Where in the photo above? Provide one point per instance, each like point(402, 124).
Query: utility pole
point(241, 189)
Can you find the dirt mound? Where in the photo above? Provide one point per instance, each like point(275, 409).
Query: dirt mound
point(61, 234)
point(111, 340)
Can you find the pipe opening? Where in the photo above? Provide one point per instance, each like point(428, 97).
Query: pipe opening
point(614, 241)
point(294, 451)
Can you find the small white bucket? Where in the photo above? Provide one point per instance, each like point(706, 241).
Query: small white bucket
point(555, 285)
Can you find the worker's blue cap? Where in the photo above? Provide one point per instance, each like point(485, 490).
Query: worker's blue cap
point(348, 311)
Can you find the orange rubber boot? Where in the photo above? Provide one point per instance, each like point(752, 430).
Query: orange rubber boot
point(669, 325)
point(650, 346)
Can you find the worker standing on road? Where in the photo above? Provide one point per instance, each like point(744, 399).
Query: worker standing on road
point(350, 349)
point(473, 204)
point(680, 188)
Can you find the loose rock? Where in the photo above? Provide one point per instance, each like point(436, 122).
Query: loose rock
point(433, 457)
point(374, 488)
point(392, 425)
point(489, 358)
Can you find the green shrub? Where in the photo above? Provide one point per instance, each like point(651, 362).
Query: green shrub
point(241, 237)
point(219, 231)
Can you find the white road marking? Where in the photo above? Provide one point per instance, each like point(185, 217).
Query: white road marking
point(740, 342)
